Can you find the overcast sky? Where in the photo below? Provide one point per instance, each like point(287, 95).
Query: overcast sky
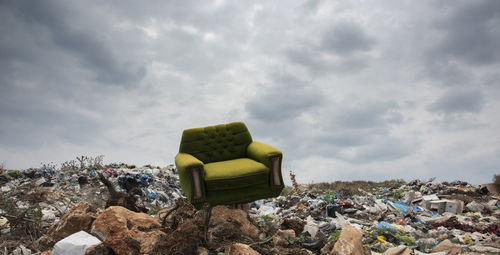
point(348, 90)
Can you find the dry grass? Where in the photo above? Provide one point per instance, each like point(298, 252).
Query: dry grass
point(351, 188)
point(25, 223)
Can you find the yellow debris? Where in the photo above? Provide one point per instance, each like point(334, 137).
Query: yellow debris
point(381, 239)
point(302, 207)
point(473, 214)
point(468, 241)
point(4, 222)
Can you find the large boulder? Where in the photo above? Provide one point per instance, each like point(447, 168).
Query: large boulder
point(349, 243)
point(77, 219)
point(127, 232)
point(186, 239)
point(222, 214)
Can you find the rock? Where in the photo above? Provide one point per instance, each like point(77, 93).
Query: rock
point(283, 236)
point(75, 244)
point(77, 219)
point(240, 249)
point(288, 233)
point(447, 246)
point(398, 251)
point(186, 239)
point(99, 249)
point(280, 241)
point(127, 232)
point(222, 214)
point(328, 247)
point(296, 225)
point(475, 206)
point(349, 242)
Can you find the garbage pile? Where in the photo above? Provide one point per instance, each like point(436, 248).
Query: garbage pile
point(33, 199)
point(72, 211)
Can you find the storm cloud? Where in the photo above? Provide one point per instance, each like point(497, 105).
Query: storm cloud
point(347, 89)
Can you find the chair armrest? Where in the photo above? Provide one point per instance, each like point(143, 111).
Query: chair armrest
point(270, 157)
point(190, 175)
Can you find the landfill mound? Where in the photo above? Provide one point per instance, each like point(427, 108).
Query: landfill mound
point(89, 208)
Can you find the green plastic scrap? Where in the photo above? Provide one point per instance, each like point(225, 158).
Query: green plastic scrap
point(406, 239)
point(334, 235)
point(329, 197)
point(266, 218)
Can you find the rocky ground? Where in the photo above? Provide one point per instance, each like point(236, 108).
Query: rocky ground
point(141, 210)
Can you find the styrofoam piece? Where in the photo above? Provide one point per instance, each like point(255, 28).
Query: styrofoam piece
point(75, 244)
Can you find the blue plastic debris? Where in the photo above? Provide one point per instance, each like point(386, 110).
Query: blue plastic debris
point(145, 180)
point(151, 195)
point(92, 173)
point(403, 208)
point(385, 225)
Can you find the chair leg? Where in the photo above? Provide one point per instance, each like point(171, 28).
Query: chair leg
point(208, 214)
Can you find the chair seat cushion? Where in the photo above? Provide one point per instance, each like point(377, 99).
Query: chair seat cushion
point(234, 174)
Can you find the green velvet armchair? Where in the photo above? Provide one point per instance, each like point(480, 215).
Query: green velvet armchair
point(222, 165)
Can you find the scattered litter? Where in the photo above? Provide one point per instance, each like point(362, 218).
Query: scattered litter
point(152, 216)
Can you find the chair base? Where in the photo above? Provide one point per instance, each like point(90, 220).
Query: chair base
point(238, 196)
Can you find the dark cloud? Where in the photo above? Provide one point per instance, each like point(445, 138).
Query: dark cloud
point(312, 5)
point(465, 36)
point(351, 124)
point(470, 32)
point(457, 101)
point(382, 149)
point(319, 64)
point(286, 98)
point(347, 138)
point(346, 38)
point(81, 36)
point(342, 49)
point(368, 115)
point(360, 132)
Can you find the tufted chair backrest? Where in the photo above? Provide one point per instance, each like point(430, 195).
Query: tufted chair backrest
point(216, 143)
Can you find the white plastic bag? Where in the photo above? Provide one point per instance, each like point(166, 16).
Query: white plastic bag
point(75, 244)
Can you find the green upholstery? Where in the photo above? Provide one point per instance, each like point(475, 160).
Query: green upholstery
point(244, 172)
point(231, 167)
point(216, 143)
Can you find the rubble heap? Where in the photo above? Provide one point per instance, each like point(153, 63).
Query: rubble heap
point(81, 209)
